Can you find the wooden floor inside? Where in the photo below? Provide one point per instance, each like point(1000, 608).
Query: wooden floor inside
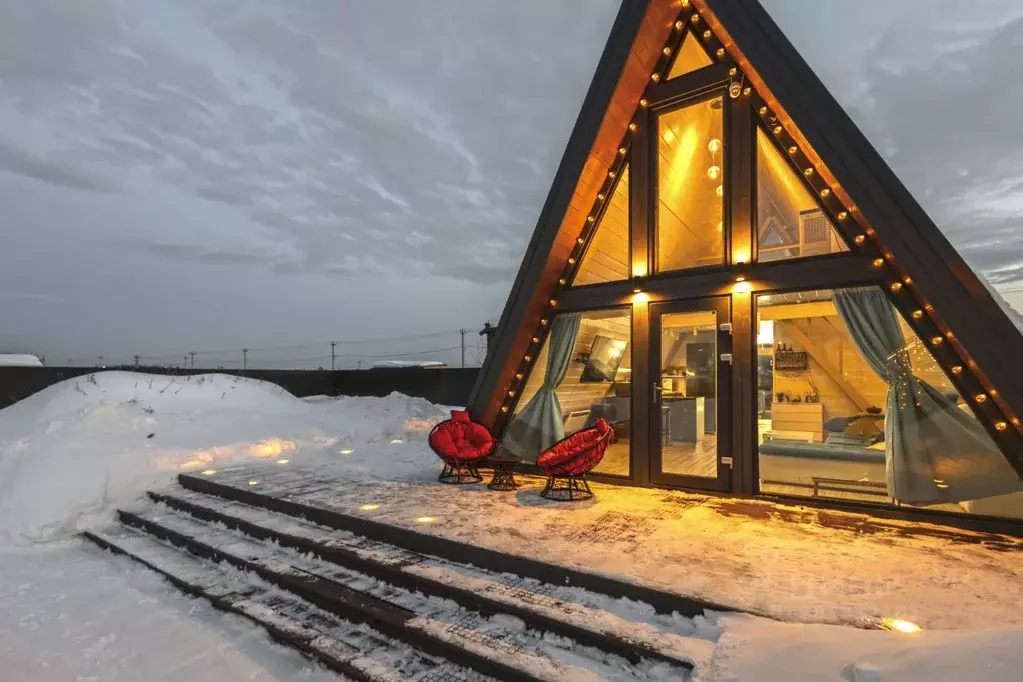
point(680, 458)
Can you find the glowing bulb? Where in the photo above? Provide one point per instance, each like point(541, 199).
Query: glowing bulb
point(209, 472)
point(369, 507)
point(741, 288)
point(571, 261)
point(707, 34)
point(519, 376)
point(721, 226)
point(825, 193)
point(543, 321)
point(763, 111)
point(255, 482)
point(793, 149)
point(553, 302)
point(679, 25)
point(504, 408)
point(580, 241)
point(808, 172)
point(633, 127)
point(778, 130)
point(714, 146)
point(528, 358)
point(536, 339)
point(696, 18)
point(643, 102)
point(655, 77)
point(562, 281)
point(714, 172)
point(425, 519)
point(860, 238)
point(936, 340)
point(601, 196)
point(511, 394)
point(622, 150)
point(957, 370)
point(1001, 426)
point(917, 314)
point(720, 53)
point(878, 262)
point(720, 191)
point(747, 91)
point(900, 625)
point(667, 51)
point(611, 174)
point(980, 398)
point(896, 287)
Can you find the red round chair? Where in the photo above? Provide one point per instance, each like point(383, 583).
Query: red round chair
point(461, 443)
point(570, 459)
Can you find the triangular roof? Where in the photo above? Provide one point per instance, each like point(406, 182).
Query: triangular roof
point(875, 209)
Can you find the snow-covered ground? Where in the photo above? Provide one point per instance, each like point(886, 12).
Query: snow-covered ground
point(70, 454)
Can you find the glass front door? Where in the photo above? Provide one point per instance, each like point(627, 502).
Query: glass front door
point(690, 354)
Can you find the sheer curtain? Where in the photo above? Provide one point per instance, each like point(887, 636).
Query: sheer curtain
point(539, 424)
point(934, 451)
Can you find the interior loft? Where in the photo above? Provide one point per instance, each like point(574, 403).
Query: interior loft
point(727, 272)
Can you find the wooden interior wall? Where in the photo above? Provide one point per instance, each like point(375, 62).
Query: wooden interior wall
point(572, 394)
point(607, 257)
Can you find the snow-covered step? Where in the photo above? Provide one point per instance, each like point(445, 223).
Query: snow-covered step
point(623, 627)
point(354, 650)
point(497, 644)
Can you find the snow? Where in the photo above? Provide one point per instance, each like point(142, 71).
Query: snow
point(19, 360)
point(72, 613)
point(383, 364)
point(73, 452)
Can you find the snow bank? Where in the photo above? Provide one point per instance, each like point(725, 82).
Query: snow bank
point(19, 360)
point(74, 451)
point(757, 650)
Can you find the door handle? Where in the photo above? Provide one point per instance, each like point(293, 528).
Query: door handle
point(657, 393)
point(726, 357)
point(725, 327)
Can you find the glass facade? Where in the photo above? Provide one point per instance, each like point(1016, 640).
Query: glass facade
point(607, 257)
point(852, 406)
point(790, 223)
point(583, 372)
point(690, 187)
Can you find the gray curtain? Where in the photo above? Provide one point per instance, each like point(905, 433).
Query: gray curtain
point(539, 424)
point(934, 451)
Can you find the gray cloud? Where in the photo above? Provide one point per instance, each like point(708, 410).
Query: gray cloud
point(261, 157)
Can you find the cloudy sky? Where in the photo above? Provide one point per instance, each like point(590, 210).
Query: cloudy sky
point(209, 175)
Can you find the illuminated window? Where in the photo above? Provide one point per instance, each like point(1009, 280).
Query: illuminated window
point(790, 222)
point(594, 380)
point(691, 57)
point(853, 406)
point(607, 256)
point(690, 187)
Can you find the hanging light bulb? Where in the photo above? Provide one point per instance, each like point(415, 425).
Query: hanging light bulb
point(714, 146)
point(714, 172)
point(720, 191)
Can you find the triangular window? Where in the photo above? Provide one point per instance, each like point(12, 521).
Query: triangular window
point(691, 57)
point(607, 256)
point(790, 223)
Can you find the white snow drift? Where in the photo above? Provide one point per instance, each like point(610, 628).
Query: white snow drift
point(75, 450)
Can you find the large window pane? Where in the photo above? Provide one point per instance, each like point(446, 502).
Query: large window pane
point(691, 57)
point(852, 405)
point(596, 383)
point(690, 187)
point(607, 257)
point(790, 222)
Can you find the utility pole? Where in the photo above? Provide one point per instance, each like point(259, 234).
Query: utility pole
point(192, 353)
point(184, 361)
point(136, 356)
point(462, 332)
point(245, 359)
point(332, 356)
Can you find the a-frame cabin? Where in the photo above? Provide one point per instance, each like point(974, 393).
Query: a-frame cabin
point(730, 274)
